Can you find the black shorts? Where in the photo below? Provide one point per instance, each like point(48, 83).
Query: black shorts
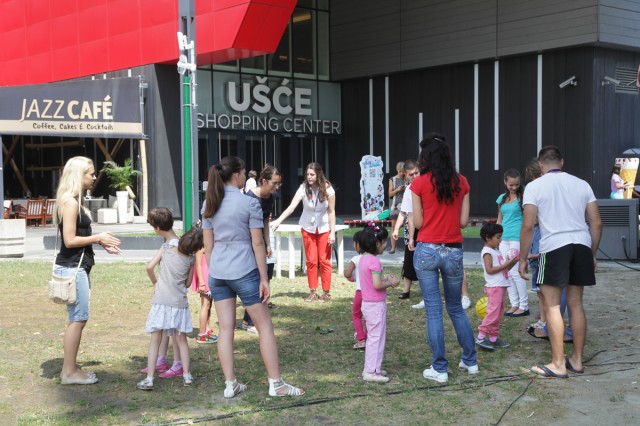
point(408, 271)
point(568, 265)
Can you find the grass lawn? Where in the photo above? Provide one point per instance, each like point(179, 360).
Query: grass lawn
point(115, 346)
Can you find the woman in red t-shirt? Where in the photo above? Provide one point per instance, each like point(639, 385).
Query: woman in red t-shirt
point(440, 208)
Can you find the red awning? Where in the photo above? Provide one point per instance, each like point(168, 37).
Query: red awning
point(67, 39)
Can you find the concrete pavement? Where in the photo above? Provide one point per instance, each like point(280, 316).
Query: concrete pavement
point(36, 251)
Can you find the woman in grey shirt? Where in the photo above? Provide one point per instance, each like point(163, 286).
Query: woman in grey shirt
point(232, 231)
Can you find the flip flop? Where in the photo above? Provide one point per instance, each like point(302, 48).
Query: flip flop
point(567, 363)
point(547, 373)
point(532, 332)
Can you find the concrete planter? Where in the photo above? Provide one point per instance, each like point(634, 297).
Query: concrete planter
point(12, 237)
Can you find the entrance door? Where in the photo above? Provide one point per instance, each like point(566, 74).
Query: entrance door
point(290, 153)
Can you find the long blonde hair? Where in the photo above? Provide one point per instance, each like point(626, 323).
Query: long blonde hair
point(71, 184)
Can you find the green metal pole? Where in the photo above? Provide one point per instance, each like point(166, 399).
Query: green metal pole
point(187, 172)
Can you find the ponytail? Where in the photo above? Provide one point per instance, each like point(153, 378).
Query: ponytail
point(219, 175)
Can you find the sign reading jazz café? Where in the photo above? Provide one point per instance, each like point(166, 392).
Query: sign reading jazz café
point(108, 108)
point(260, 103)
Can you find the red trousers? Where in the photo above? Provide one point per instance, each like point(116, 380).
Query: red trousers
point(318, 250)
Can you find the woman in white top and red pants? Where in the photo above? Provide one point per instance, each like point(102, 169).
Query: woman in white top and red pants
point(318, 222)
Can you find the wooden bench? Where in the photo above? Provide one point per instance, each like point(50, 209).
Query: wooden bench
point(47, 211)
point(7, 209)
point(32, 211)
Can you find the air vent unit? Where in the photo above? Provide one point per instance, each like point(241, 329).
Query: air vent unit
point(628, 78)
point(619, 219)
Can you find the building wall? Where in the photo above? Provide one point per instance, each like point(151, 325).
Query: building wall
point(163, 126)
point(618, 22)
point(370, 37)
point(590, 123)
point(615, 116)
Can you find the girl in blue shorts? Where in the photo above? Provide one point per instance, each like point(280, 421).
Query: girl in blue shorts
point(236, 223)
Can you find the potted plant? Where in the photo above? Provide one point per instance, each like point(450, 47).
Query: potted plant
point(121, 178)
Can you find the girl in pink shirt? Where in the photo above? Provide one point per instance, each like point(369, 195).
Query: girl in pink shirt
point(373, 285)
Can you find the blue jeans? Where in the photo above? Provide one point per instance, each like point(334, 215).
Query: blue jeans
point(430, 261)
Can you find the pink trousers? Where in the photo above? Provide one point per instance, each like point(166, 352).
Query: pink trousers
point(375, 313)
point(356, 315)
point(495, 308)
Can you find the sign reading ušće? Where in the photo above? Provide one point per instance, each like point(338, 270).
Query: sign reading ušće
point(92, 108)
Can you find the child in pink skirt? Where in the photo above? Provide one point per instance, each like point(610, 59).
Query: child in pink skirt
point(351, 273)
point(200, 285)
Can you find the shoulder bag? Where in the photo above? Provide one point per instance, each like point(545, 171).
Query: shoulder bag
point(62, 290)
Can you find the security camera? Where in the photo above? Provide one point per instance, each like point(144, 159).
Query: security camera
point(183, 42)
point(570, 81)
point(610, 80)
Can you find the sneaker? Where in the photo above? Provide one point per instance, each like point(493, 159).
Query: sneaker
point(233, 388)
point(210, 333)
point(382, 373)
point(360, 344)
point(249, 328)
point(499, 343)
point(485, 344)
point(160, 368)
point(252, 329)
point(171, 373)
point(187, 379)
point(205, 339)
point(406, 295)
point(472, 370)
point(466, 302)
point(432, 374)
point(418, 305)
point(146, 384)
point(376, 378)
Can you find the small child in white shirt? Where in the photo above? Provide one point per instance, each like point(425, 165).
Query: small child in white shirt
point(496, 269)
point(351, 273)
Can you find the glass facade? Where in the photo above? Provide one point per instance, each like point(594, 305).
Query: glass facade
point(303, 51)
point(280, 108)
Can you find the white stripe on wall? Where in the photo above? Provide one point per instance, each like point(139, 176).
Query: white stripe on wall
point(496, 115)
point(476, 74)
point(539, 107)
point(457, 138)
point(370, 116)
point(386, 123)
point(420, 130)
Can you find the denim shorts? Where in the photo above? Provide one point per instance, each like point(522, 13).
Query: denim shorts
point(247, 288)
point(79, 311)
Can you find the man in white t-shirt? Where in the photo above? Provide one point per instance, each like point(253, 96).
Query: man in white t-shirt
point(560, 202)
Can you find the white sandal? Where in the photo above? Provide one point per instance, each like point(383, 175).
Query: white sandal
point(187, 379)
point(233, 388)
point(276, 387)
point(146, 384)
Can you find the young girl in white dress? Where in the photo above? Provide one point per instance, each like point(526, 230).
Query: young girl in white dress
point(169, 306)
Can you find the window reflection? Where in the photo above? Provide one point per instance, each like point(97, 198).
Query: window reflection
point(303, 41)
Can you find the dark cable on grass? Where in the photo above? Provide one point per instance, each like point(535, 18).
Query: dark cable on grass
point(440, 388)
point(307, 403)
point(514, 401)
